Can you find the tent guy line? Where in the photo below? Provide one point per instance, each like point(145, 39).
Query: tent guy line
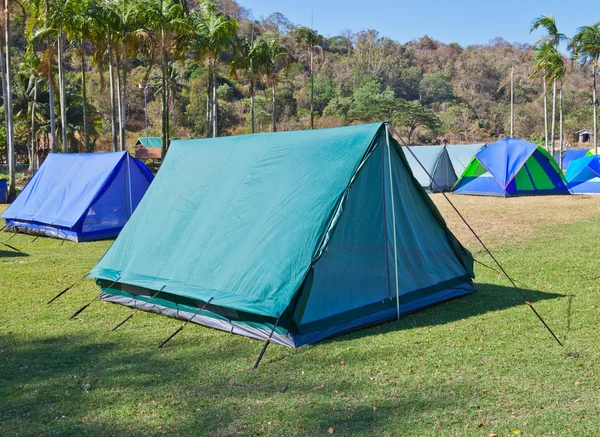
point(80, 310)
point(488, 251)
point(133, 313)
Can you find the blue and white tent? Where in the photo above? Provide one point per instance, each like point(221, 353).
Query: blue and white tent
point(80, 197)
point(583, 175)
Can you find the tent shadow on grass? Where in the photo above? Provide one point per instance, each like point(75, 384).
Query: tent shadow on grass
point(78, 386)
point(11, 254)
point(488, 298)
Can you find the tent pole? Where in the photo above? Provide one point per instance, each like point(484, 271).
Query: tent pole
point(129, 183)
point(80, 310)
point(200, 309)
point(133, 313)
point(66, 289)
point(267, 343)
point(387, 141)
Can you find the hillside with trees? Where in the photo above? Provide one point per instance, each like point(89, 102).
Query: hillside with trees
point(78, 71)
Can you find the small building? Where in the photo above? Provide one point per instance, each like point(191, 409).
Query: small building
point(148, 148)
point(584, 136)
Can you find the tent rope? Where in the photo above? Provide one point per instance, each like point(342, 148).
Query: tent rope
point(387, 140)
point(529, 304)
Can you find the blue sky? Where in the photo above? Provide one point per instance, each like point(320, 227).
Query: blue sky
point(463, 21)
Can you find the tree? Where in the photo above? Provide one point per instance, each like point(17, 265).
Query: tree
point(8, 105)
point(543, 48)
point(166, 18)
point(214, 33)
point(410, 117)
point(586, 48)
point(279, 58)
point(253, 58)
point(310, 39)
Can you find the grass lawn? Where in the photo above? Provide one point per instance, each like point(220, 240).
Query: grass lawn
point(475, 366)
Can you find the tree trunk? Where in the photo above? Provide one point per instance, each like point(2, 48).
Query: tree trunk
point(119, 105)
point(274, 114)
point(312, 91)
point(545, 115)
point(4, 92)
point(62, 90)
point(214, 101)
point(50, 86)
point(86, 139)
point(33, 134)
point(123, 113)
point(595, 105)
point(560, 123)
point(208, 106)
point(252, 102)
point(553, 130)
point(113, 115)
point(165, 100)
point(12, 192)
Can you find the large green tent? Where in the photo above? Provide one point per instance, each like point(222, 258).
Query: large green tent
point(295, 225)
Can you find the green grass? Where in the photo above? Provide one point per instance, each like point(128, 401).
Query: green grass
point(474, 366)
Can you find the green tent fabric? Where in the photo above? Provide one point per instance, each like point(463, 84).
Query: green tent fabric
point(296, 224)
point(150, 142)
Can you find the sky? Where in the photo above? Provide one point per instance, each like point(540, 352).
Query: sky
point(466, 22)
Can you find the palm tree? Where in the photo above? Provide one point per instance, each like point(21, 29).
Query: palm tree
point(252, 57)
point(552, 39)
point(214, 33)
point(586, 47)
point(550, 63)
point(166, 17)
point(8, 105)
point(279, 58)
point(310, 39)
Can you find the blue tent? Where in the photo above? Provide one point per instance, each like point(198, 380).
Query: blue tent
point(461, 154)
point(512, 167)
point(313, 233)
point(80, 197)
point(437, 165)
point(571, 155)
point(583, 175)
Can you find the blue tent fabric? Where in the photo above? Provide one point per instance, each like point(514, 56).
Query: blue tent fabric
point(80, 197)
point(438, 174)
point(583, 175)
point(571, 155)
point(495, 171)
point(461, 154)
point(291, 224)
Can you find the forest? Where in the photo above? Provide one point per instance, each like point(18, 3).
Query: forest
point(76, 75)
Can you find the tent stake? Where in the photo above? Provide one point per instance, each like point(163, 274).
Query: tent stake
point(529, 304)
point(267, 343)
point(80, 310)
point(186, 322)
point(133, 313)
point(66, 289)
point(11, 247)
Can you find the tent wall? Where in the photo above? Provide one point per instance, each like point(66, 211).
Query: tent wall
point(437, 163)
point(461, 155)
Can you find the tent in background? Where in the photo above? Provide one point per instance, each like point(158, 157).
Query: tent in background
point(293, 230)
point(461, 155)
point(80, 196)
point(436, 161)
point(512, 167)
point(571, 155)
point(583, 175)
point(150, 142)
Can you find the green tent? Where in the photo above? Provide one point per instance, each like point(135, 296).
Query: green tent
point(150, 142)
point(295, 225)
